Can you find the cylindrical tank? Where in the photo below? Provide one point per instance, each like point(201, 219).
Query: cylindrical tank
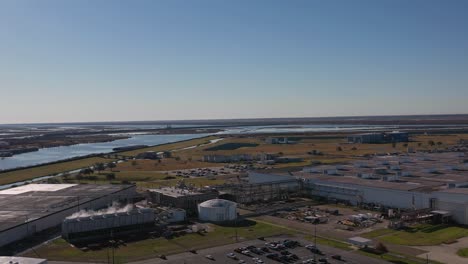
point(217, 210)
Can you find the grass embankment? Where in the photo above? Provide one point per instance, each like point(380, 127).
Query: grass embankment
point(152, 248)
point(31, 173)
point(421, 235)
point(171, 146)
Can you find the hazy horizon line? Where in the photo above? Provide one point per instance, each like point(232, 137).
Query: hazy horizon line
point(233, 119)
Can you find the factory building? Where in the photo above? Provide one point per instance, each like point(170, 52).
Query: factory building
point(438, 182)
point(95, 225)
point(32, 208)
point(217, 210)
point(183, 198)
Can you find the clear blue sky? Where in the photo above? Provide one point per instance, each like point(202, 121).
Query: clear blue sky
point(63, 61)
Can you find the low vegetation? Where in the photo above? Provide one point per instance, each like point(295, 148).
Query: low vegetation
point(463, 252)
point(420, 235)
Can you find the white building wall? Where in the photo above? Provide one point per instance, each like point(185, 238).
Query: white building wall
point(217, 214)
point(366, 194)
point(456, 203)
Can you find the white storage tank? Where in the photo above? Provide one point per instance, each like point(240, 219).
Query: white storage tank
point(217, 210)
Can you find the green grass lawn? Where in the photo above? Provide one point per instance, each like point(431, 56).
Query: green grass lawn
point(398, 259)
point(59, 249)
point(421, 235)
point(463, 252)
point(330, 242)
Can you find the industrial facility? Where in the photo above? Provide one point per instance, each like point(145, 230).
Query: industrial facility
point(437, 182)
point(181, 197)
point(217, 210)
point(95, 225)
point(32, 208)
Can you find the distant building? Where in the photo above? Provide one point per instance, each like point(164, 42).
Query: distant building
point(152, 155)
point(376, 138)
point(4, 144)
point(279, 140)
point(397, 136)
point(368, 138)
point(227, 158)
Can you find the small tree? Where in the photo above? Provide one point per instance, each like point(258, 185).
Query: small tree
point(381, 247)
point(134, 163)
point(339, 148)
point(431, 143)
point(110, 176)
point(99, 167)
point(111, 165)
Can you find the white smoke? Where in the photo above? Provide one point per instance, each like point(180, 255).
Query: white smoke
point(115, 208)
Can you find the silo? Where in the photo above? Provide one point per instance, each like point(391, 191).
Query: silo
point(217, 210)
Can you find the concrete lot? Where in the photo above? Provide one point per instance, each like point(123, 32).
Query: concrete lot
point(219, 254)
point(446, 253)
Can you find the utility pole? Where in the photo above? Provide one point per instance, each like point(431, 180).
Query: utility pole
point(235, 229)
point(315, 242)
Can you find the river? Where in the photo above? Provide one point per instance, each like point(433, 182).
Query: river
point(65, 152)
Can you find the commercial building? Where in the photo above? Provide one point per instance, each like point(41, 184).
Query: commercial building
point(183, 198)
point(32, 208)
point(217, 210)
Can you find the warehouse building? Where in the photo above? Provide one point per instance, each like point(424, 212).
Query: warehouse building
point(437, 181)
point(32, 208)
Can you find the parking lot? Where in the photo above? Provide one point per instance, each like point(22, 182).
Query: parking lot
point(219, 254)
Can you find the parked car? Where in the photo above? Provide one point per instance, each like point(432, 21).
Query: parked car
point(231, 255)
point(210, 257)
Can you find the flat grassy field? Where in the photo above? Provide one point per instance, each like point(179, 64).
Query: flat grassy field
point(152, 248)
point(31, 173)
point(399, 259)
point(421, 235)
